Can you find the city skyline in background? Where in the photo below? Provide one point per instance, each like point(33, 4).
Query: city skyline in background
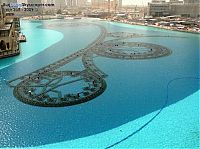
point(134, 2)
point(124, 2)
point(83, 2)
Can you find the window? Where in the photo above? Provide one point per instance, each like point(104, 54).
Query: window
point(4, 33)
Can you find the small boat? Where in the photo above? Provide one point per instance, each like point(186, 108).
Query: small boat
point(22, 38)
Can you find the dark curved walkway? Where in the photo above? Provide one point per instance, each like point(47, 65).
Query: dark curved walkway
point(42, 87)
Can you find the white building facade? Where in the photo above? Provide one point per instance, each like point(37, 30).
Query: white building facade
point(186, 8)
point(158, 8)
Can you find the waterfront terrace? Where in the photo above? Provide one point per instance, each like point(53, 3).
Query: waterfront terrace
point(9, 45)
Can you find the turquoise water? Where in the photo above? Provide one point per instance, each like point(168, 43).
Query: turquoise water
point(136, 92)
point(156, 135)
point(35, 42)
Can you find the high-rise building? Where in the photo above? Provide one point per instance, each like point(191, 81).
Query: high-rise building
point(116, 4)
point(186, 8)
point(99, 4)
point(81, 3)
point(120, 3)
point(59, 3)
point(158, 8)
point(106, 4)
point(191, 1)
point(189, 8)
point(71, 3)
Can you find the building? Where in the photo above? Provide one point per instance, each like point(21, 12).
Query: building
point(158, 8)
point(112, 5)
point(9, 45)
point(191, 1)
point(120, 3)
point(81, 3)
point(186, 8)
point(175, 2)
point(60, 4)
point(70, 3)
point(98, 4)
point(2, 17)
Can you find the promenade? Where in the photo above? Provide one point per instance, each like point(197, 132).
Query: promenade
point(161, 27)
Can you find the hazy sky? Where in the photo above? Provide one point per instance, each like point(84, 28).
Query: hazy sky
point(136, 2)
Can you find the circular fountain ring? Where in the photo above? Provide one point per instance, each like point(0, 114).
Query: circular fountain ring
point(131, 50)
point(47, 89)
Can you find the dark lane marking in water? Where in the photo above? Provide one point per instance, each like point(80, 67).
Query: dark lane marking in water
point(147, 123)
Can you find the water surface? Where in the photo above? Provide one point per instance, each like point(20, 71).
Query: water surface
point(136, 89)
